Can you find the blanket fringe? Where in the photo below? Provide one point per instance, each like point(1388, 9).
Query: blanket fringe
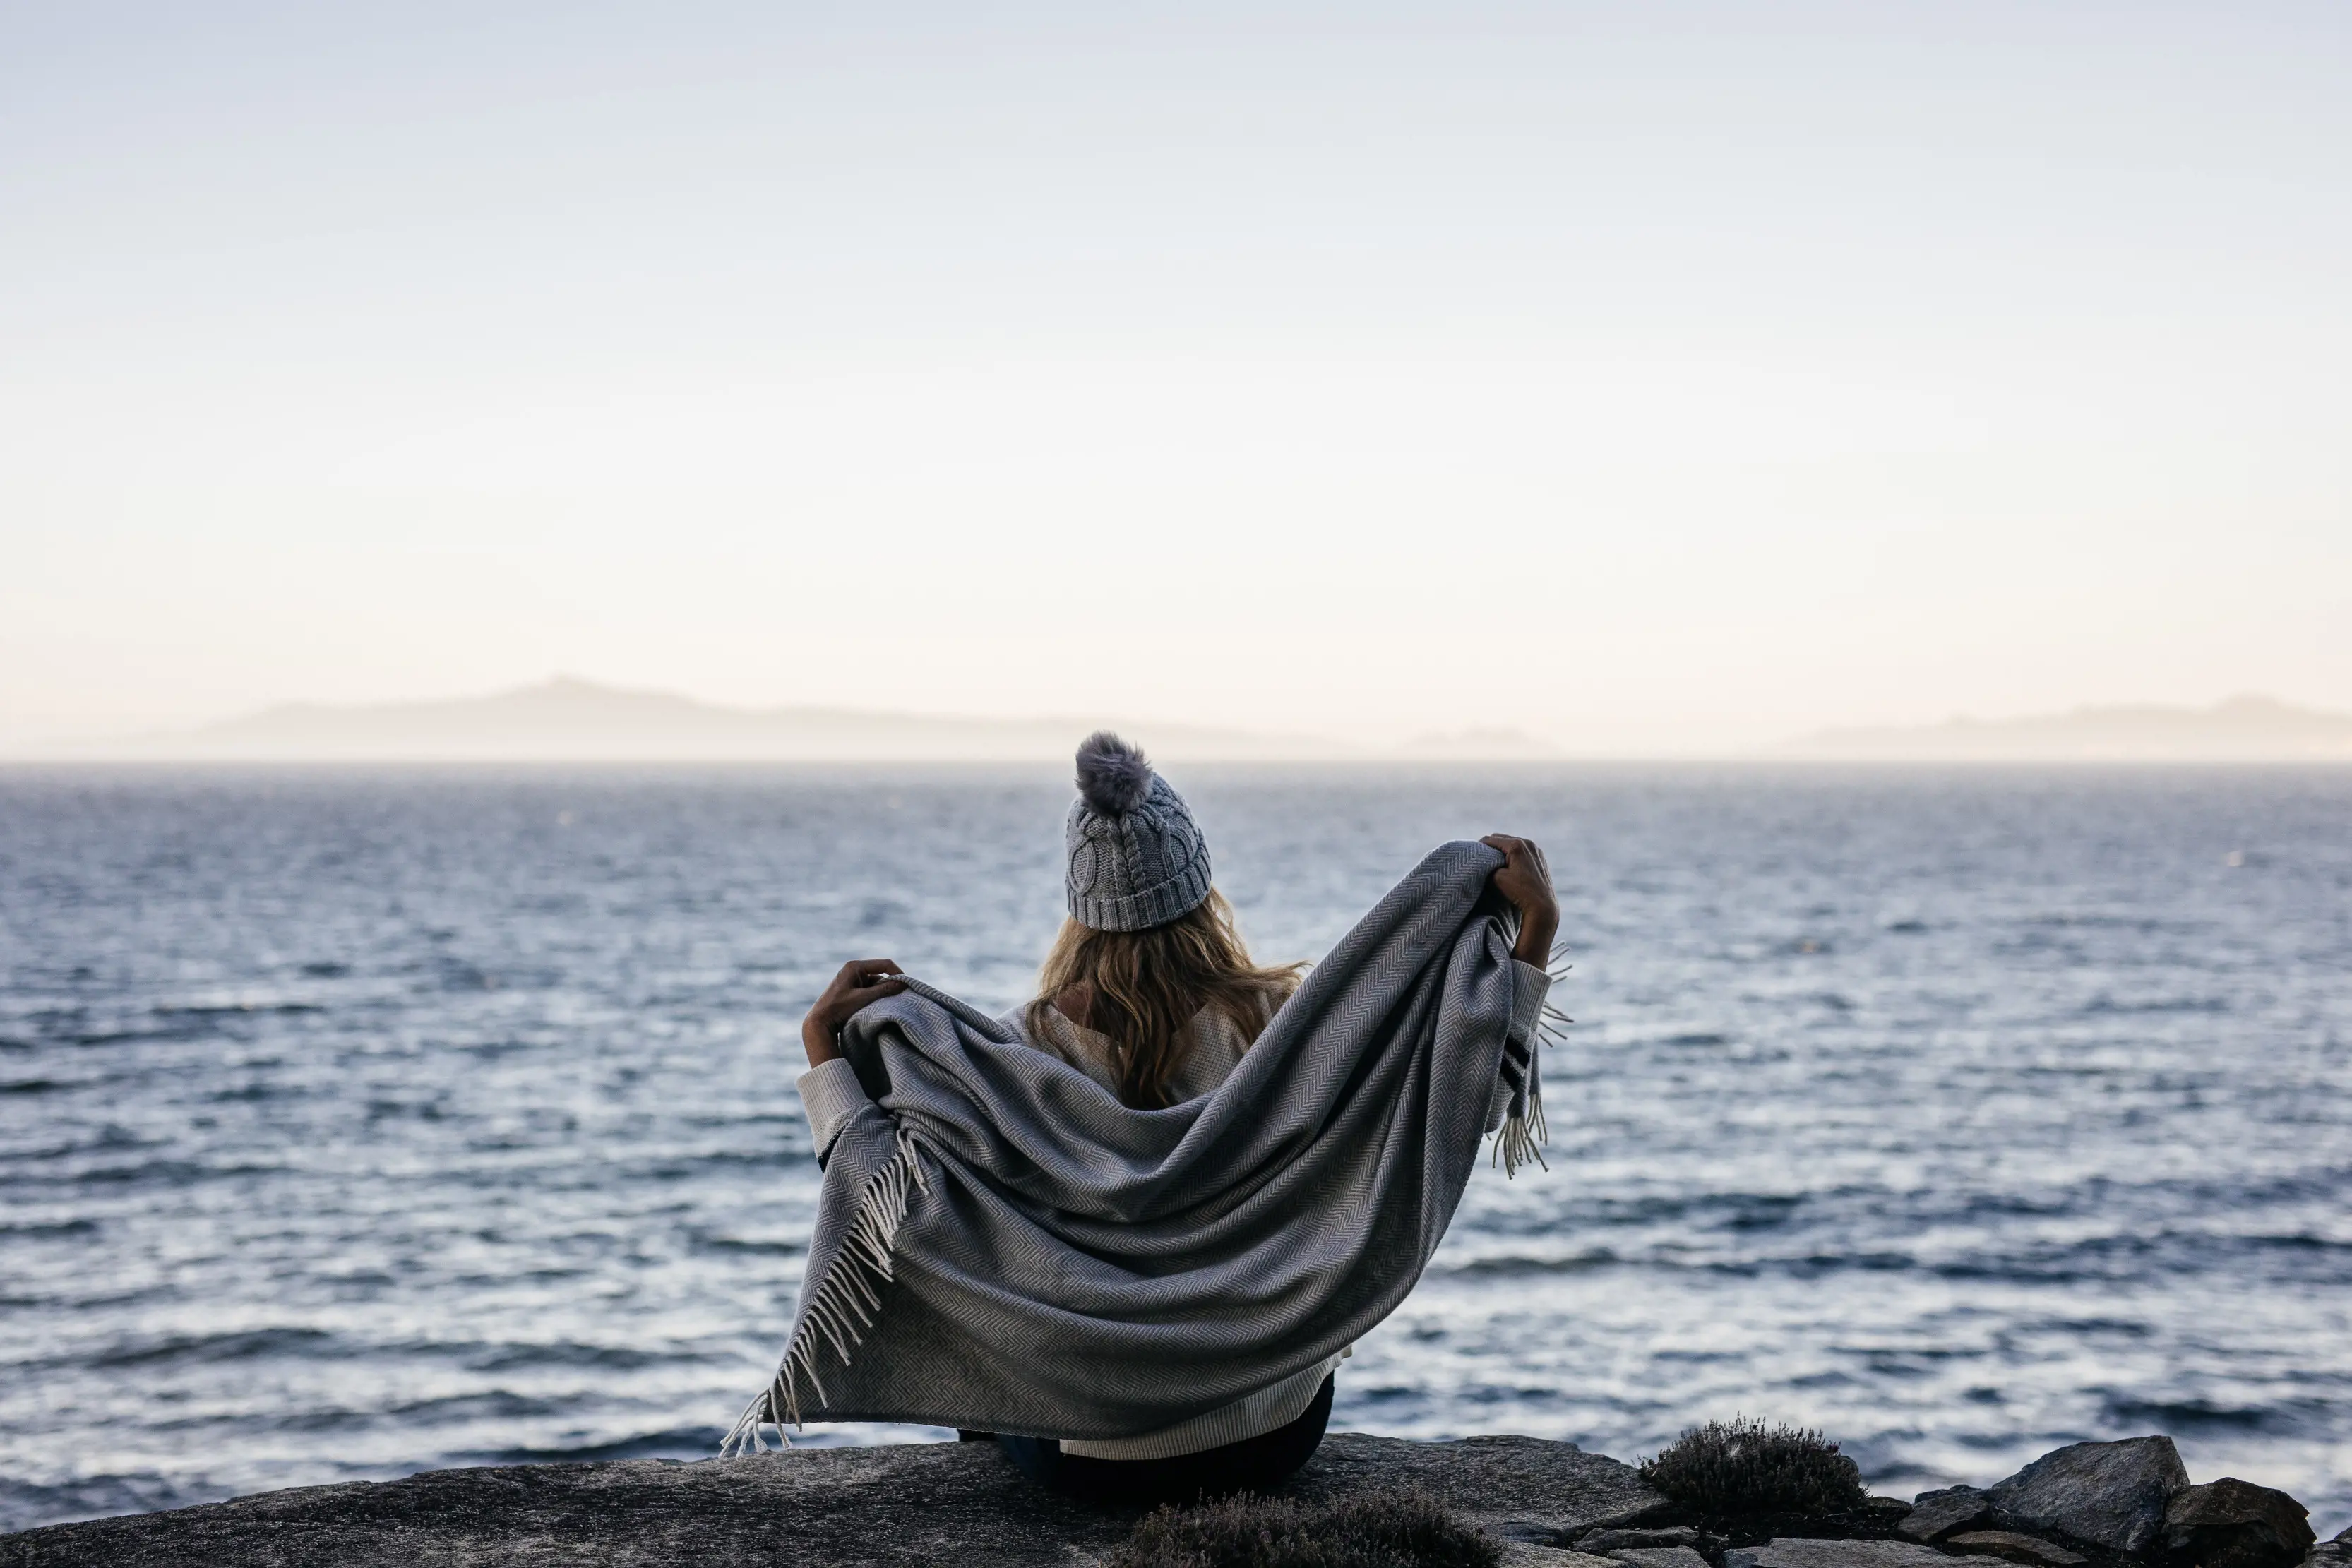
point(841, 1308)
point(1516, 1144)
point(1523, 1133)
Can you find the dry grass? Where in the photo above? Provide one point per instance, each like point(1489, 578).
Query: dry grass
point(1394, 1529)
point(1743, 1468)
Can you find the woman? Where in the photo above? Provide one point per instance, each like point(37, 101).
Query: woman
point(1149, 992)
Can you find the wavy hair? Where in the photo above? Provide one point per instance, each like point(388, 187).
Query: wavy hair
point(1146, 986)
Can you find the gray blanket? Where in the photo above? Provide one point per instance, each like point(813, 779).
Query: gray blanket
point(1001, 1244)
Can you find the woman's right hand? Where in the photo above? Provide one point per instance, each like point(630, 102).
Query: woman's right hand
point(1524, 879)
point(861, 981)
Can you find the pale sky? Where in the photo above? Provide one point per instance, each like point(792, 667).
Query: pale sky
point(1648, 377)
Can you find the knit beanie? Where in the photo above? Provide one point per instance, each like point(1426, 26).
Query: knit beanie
point(1137, 858)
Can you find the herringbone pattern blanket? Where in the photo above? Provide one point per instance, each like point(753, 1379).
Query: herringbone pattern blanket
point(1001, 1244)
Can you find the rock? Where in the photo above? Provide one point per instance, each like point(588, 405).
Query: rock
point(1607, 1540)
point(2015, 1547)
point(1937, 1514)
point(2112, 1495)
point(1528, 1554)
point(2231, 1523)
point(1657, 1557)
point(915, 1505)
point(1836, 1554)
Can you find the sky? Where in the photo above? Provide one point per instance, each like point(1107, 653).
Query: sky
point(1649, 377)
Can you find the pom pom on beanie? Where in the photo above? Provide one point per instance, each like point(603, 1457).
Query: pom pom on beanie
point(1114, 777)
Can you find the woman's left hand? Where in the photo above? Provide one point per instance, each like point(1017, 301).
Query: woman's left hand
point(1524, 879)
point(861, 981)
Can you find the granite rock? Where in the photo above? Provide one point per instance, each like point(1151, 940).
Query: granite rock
point(2231, 1523)
point(1836, 1554)
point(1657, 1557)
point(2111, 1495)
point(2014, 1547)
point(1605, 1542)
point(1937, 1514)
point(1528, 1554)
point(916, 1504)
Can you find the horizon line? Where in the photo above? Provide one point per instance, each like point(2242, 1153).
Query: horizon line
point(571, 719)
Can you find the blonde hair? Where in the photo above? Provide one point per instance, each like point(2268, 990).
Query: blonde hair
point(1146, 986)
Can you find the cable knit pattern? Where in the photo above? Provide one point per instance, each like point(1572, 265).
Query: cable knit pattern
point(1133, 863)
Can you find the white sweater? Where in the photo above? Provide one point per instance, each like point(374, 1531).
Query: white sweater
point(831, 1094)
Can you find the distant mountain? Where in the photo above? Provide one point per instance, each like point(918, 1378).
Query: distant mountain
point(2243, 729)
point(567, 719)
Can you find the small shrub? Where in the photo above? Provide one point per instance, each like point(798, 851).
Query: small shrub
point(1742, 1467)
point(1403, 1528)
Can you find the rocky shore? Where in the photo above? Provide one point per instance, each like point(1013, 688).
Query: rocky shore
point(2094, 1505)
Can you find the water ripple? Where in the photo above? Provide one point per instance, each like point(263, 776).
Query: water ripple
point(352, 1124)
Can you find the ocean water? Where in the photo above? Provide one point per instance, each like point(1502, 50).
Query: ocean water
point(353, 1123)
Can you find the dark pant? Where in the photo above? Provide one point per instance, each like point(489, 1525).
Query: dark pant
point(1254, 1464)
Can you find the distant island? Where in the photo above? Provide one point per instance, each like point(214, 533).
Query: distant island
point(2242, 729)
point(567, 719)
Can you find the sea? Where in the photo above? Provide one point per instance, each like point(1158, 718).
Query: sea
point(361, 1121)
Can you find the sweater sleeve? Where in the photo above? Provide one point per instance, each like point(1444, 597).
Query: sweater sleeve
point(831, 1095)
point(1529, 985)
